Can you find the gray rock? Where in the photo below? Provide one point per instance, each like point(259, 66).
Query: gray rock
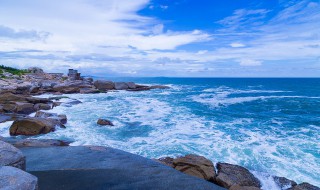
point(41, 106)
point(166, 161)
point(38, 143)
point(16, 179)
point(195, 165)
point(159, 87)
point(35, 100)
point(284, 183)
point(89, 91)
point(35, 70)
point(24, 108)
point(229, 175)
point(121, 86)
point(305, 186)
point(62, 118)
point(11, 156)
point(103, 85)
point(104, 122)
point(131, 85)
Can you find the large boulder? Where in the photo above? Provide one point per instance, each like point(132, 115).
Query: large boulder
point(36, 100)
point(34, 126)
point(121, 86)
point(11, 156)
point(131, 85)
point(104, 85)
point(16, 179)
point(232, 175)
point(304, 186)
point(35, 70)
point(104, 122)
point(166, 161)
point(195, 165)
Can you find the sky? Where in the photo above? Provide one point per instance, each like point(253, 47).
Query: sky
point(170, 38)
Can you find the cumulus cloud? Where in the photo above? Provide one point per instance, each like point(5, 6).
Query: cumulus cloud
point(237, 45)
point(249, 62)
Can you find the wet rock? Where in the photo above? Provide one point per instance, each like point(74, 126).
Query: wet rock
point(24, 108)
point(121, 86)
point(41, 106)
point(38, 143)
point(62, 118)
point(55, 104)
point(9, 108)
point(33, 126)
point(238, 187)
point(4, 118)
point(103, 85)
point(34, 89)
point(72, 103)
point(195, 165)
point(89, 91)
point(11, 156)
point(283, 182)
point(35, 100)
point(16, 179)
point(229, 175)
point(104, 122)
point(304, 186)
point(166, 161)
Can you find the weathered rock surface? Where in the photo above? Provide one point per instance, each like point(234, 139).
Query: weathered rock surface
point(283, 182)
point(24, 108)
point(166, 161)
point(62, 118)
point(35, 100)
point(104, 122)
point(12, 178)
point(38, 143)
point(195, 165)
point(73, 167)
point(41, 106)
point(238, 187)
point(11, 156)
point(229, 175)
point(89, 91)
point(304, 186)
point(131, 85)
point(33, 126)
point(121, 86)
point(9, 97)
point(103, 85)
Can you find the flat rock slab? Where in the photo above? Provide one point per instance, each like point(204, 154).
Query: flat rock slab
point(12, 178)
point(104, 168)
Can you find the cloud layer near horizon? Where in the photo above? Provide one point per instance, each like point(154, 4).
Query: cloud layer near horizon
point(110, 37)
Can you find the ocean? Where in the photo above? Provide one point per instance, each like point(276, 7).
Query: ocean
point(270, 126)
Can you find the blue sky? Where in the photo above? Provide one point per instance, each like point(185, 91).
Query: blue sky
point(186, 38)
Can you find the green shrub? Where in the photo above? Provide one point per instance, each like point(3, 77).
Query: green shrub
point(12, 70)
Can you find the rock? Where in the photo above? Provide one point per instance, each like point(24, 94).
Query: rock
point(139, 89)
point(9, 108)
point(195, 165)
point(238, 187)
point(55, 104)
point(11, 156)
point(304, 186)
point(35, 70)
point(16, 179)
point(283, 182)
point(131, 85)
point(24, 108)
point(35, 100)
point(47, 84)
point(4, 118)
point(33, 126)
point(9, 97)
point(34, 89)
point(104, 85)
point(166, 161)
point(62, 118)
point(39, 143)
point(41, 106)
point(89, 91)
point(121, 86)
point(104, 122)
point(229, 175)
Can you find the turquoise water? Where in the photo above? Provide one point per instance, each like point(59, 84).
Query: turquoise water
point(270, 126)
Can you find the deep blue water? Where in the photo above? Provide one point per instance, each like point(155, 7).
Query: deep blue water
point(270, 126)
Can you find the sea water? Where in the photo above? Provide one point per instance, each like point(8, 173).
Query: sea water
point(270, 126)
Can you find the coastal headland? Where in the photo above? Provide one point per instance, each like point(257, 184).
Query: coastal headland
point(28, 163)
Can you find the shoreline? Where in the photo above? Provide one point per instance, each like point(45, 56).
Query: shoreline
point(20, 102)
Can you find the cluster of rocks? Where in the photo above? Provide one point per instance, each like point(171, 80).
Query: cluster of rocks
point(105, 85)
point(226, 175)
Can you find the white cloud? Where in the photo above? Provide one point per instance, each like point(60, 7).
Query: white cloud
point(158, 29)
point(249, 62)
point(237, 45)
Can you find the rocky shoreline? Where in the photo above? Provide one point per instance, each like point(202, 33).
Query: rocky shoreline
point(17, 102)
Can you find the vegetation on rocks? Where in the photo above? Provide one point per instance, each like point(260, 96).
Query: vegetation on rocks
point(12, 70)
